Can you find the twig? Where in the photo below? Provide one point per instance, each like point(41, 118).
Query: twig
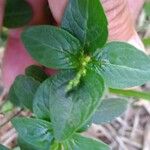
point(10, 118)
point(147, 137)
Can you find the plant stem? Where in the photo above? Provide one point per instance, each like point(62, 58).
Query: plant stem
point(131, 93)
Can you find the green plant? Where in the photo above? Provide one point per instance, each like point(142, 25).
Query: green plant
point(3, 147)
point(64, 105)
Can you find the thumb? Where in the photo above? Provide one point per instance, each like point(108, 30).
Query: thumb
point(135, 8)
point(121, 22)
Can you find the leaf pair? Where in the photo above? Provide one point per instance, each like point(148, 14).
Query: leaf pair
point(68, 111)
point(38, 134)
point(57, 48)
point(108, 110)
point(120, 64)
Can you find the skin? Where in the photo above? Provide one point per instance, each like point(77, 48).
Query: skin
point(121, 15)
point(137, 7)
point(16, 58)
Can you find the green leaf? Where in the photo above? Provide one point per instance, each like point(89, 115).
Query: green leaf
point(12, 97)
point(8, 106)
point(17, 13)
point(85, 126)
point(23, 90)
point(86, 20)
point(3, 147)
point(147, 8)
point(79, 142)
point(24, 145)
point(69, 111)
point(52, 47)
point(41, 101)
point(36, 132)
point(122, 65)
point(146, 41)
point(131, 93)
point(109, 110)
point(36, 72)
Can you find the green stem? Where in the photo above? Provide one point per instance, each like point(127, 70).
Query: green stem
point(131, 93)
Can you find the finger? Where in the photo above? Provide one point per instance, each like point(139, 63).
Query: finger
point(135, 8)
point(119, 18)
point(57, 7)
point(16, 58)
point(121, 23)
